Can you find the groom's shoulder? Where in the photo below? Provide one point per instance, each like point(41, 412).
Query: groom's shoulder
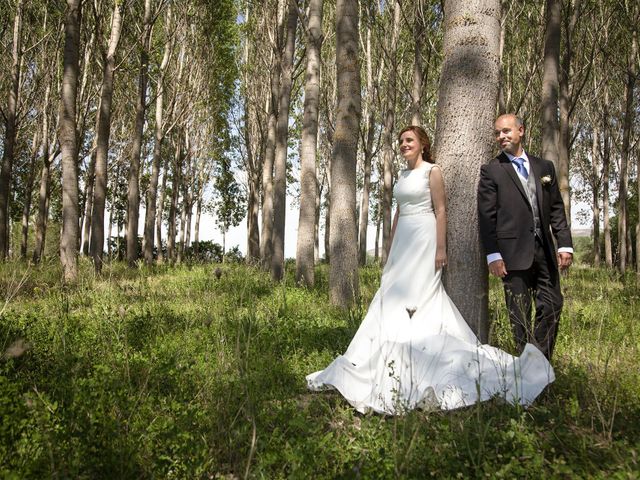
point(494, 162)
point(542, 161)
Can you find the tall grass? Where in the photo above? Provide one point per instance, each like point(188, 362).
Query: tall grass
point(174, 373)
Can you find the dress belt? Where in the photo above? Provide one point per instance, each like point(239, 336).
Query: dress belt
point(411, 214)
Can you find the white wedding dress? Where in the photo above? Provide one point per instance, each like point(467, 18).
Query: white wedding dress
point(413, 348)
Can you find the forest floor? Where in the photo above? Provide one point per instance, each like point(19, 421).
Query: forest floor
point(171, 372)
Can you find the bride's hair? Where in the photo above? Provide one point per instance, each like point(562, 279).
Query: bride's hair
point(424, 141)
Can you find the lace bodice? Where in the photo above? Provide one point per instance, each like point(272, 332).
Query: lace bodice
point(412, 190)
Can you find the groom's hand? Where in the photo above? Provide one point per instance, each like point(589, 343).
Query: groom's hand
point(498, 268)
point(565, 260)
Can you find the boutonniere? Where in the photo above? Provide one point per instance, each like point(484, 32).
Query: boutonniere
point(546, 180)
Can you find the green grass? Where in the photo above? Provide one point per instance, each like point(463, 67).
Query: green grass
point(174, 373)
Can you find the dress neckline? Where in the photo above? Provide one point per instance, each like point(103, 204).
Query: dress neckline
point(421, 166)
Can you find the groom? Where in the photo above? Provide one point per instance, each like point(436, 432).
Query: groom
point(520, 207)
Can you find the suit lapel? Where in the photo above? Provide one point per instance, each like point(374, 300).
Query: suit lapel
point(508, 167)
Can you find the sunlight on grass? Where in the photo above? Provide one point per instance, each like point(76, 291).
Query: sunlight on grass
point(194, 372)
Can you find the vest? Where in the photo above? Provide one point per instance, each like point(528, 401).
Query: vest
point(529, 186)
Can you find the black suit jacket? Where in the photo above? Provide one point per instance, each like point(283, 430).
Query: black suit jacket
point(506, 218)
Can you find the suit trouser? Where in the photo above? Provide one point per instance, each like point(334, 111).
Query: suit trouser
point(542, 282)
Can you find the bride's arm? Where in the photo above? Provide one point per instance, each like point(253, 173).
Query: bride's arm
point(438, 198)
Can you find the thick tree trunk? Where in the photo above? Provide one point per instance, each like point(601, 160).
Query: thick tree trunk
point(68, 143)
point(102, 147)
point(11, 128)
point(550, 82)
point(466, 103)
point(343, 276)
point(152, 192)
point(305, 258)
point(133, 192)
point(282, 131)
point(387, 135)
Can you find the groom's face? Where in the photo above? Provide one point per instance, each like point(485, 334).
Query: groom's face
point(509, 134)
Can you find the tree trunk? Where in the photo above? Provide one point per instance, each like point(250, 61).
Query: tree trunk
point(595, 208)
point(627, 129)
point(416, 93)
point(159, 213)
point(282, 131)
point(369, 114)
point(502, 103)
point(606, 166)
point(88, 205)
point(102, 147)
point(305, 258)
point(266, 242)
point(152, 192)
point(550, 82)
point(387, 136)
point(196, 237)
point(26, 209)
point(173, 209)
point(133, 192)
point(45, 183)
point(466, 103)
point(68, 143)
point(11, 128)
point(343, 275)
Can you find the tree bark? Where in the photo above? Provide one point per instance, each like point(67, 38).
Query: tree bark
point(11, 129)
point(88, 205)
point(102, 146)
point(566, 106)
point(370, 114)
point(416, 92)
point(68, 143)
point(343, 276)
point(627, 127)
point(152, 195)
point(606, 167)
point(387, 135)
point(282, 131)
point(133, 192)
point(159, 213)
point(253, 162)
point(266, 242)
point(173, 209)
point(26, 208)
point(466, 103)
point(550, 82)
point(45, 182)
point(595, 206)
point(305, 258)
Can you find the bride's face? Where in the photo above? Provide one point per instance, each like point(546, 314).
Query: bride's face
point(410, 146)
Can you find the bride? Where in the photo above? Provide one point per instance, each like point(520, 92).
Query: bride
point(413, 348)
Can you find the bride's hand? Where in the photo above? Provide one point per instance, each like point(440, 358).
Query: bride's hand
point(441, 258)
